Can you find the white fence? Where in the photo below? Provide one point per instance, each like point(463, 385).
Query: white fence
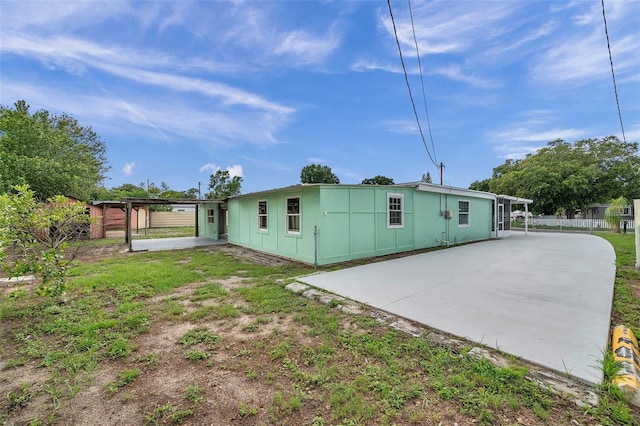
point(578, 223)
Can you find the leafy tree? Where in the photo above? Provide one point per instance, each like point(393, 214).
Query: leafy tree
point(143, 190)
point(316, 173)
point(613, 213)
point(566, 177)
point(34, 236)
point(426, 178)
point(378, 180)
point(126, 190)
point(155, 191)
point(52, 154)
point(171, 193)
point(192, 193)
point(481, 185)
point(223, 186)
point(617, 164)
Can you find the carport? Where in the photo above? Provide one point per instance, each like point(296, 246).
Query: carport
point(545, 297)
point(132, 204)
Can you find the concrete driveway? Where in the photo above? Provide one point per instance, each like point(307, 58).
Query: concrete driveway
point(544, 297)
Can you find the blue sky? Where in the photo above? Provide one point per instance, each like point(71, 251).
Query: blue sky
point(177, 89)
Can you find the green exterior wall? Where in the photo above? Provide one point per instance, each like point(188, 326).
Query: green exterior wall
point(206, 229)
point(351, 222)
point(243, 222)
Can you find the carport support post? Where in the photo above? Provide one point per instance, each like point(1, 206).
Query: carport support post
point(636, 209)
point(127, 221)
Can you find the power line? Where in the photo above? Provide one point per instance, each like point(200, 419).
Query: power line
point(613, 74)
point(406, 78)
point(424, 95)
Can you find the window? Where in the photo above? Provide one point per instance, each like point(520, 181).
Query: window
point(463, 213)
point(395, 210)
point(211, 215)
point(262, 215)
point(293, 215)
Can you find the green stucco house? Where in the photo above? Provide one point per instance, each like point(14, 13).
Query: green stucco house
point(323, 224)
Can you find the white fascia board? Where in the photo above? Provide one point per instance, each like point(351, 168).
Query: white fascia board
point(440, 189)
point(516, 200)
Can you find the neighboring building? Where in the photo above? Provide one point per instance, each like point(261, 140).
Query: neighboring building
point(596, 211)
point(91, 230)
point(183, 207)
point(323, 224)
point(112, 216)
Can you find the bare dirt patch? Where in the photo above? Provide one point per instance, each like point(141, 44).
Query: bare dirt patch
point(262, 368)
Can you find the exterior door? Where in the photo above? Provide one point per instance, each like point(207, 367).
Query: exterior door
point(500, 220)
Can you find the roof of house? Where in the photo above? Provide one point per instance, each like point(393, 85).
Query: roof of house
point(421, 186)
point(166, 201)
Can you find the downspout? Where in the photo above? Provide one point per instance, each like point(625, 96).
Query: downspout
point(315, 246)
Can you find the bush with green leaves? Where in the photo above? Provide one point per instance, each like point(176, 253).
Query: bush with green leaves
point(34, 236)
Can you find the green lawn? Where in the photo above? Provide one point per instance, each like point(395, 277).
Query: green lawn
point(249, 351)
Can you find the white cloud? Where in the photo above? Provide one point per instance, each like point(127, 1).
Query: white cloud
point(517, 142)
point(456, 73)
point(259, 33)
point(371, 65)
point(76, 55)
point(448, 27)
point(407, 127)
point(128, 168)
point(208, 167)
point(304, 48)
point(523, 134)
point(235, 170)
point(315, 160)
point(579, 55)
point(170, 119)
point(48, 15)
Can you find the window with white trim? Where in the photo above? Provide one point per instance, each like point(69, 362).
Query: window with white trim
point(463, 213)
point(293, 215)
point(211, 215)
point(395, 210)
point(262, 215)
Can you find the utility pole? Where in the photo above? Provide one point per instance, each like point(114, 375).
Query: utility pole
point(441, 167)
point(199, 192)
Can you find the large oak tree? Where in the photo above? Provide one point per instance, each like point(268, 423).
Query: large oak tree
point(52, 154)
point(567, 177)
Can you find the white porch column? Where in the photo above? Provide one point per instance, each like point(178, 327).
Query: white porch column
point(526, 218)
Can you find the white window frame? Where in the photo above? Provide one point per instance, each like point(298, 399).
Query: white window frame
point(390, 196)
point(264, 215)
point(467, 213)
point(211, 216)
point(287, 215)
